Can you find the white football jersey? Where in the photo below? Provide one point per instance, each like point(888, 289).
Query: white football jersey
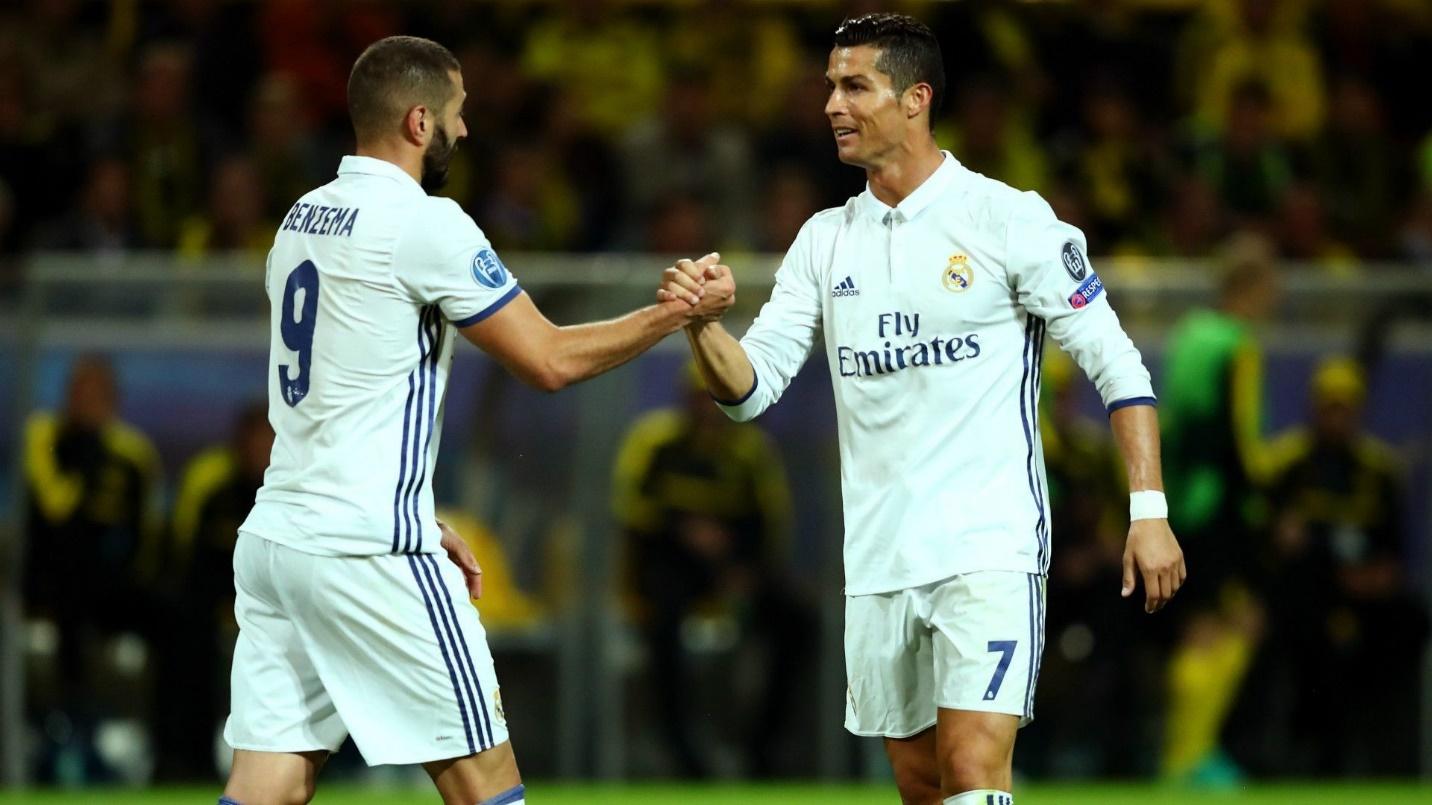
point(934, 315)
point(368, 278)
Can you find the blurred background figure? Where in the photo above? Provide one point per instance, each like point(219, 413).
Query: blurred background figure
point(1302, 233)
point(988, 136)
point(164, 143)
point(789, 199)
point(606, 55)
point(1115, 166)
point(283, 147)
point(529, 206)
point(234, 220)
point(1341, 606)
point(1193, 222)
point(215, 493)
point(102, 223)
point(1262, 42)
point(688, 148)
point(315, 44)
point(678, 224)
point(1216, 466)
point(705, 509)
point(587, 167)
point(1354, 160)
point(72, 77)
point(92, 484)
point(1211, 407)
point(1099, 673)
point(1247, 164)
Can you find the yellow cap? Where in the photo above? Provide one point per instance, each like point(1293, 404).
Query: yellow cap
point(1339, 380)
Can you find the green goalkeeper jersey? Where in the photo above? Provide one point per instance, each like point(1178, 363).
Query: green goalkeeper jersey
point(1211, 410)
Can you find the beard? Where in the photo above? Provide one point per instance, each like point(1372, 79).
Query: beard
point(436, 159)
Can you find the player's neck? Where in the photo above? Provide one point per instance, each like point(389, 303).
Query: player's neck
point(898, 177)
point(407, 158)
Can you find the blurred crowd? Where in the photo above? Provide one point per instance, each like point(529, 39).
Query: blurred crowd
point(1296, 650)
point(128, 586)
point(126, 602)
point(1158, 126)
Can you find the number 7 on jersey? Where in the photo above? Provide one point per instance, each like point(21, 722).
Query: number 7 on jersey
point(1006, 650)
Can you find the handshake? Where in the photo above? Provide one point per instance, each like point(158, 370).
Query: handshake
point(704, 289)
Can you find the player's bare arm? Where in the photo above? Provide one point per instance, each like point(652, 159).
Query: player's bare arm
point(1151, 552)
point(720, 358)
point(551, 358)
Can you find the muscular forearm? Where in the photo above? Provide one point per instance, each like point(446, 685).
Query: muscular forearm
point(722, 361)
point(1136, 430)
point(586, 350)
point(1152, 550)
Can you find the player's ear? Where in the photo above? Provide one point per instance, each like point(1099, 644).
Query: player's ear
point(416, 125)
point(918, 98)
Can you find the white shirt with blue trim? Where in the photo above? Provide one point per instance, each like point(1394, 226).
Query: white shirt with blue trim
point(368, 279)
point(933, 315)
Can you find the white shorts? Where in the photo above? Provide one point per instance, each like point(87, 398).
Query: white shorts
point(969, 642)
point(385, 648)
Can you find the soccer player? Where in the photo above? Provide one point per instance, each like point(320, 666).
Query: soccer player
point(349, 624)
point(933, 291)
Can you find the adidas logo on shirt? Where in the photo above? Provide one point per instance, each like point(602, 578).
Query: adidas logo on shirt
point(845, 287)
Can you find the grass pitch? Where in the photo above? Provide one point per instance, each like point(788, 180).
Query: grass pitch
point(786, 794)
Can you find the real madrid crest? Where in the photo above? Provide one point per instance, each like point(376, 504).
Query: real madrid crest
point(958, 275)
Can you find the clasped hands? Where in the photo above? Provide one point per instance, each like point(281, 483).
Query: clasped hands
point(704, 285)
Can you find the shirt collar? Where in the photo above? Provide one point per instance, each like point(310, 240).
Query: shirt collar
point(923, 196)
point(373, 166)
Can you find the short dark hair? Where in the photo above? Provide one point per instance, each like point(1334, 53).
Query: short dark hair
point(392, 76)
point(1248, 260)
point(909, 52)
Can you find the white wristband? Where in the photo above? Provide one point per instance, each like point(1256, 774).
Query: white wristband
point(1148, 505)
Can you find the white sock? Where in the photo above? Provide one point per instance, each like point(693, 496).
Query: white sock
point(984, 796)
point(512, 796)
